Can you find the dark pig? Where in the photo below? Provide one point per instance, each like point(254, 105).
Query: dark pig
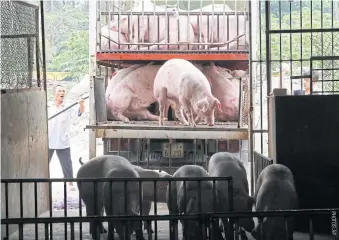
point(148, 191)
point(97, 167)
point(275, 190)
point(116, 204)
point(224, 164)
point(178, 193)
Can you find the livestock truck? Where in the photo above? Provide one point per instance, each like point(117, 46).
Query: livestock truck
point(221, 38)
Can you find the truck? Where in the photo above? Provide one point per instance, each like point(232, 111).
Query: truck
point(172, 145)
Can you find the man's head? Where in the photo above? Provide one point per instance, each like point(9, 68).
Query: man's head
point(59, 93)
point(315, 77)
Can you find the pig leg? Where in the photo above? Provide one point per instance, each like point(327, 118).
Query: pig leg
point(146, 208)
point(188, 111)
point(119, 107)
point(144, 114)
point(162, 104)
point(180, 115)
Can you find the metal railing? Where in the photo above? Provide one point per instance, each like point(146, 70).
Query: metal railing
point(260, 162)
point(57, 225)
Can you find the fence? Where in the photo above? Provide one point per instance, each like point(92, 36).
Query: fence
point(19, 45)
point(206, 212)
point(260, 162)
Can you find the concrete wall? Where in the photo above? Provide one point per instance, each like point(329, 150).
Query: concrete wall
point(24, 151)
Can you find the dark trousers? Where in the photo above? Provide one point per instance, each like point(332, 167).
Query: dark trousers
point(64, 156)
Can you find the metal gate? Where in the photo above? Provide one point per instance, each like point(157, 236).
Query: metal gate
point(295, 40)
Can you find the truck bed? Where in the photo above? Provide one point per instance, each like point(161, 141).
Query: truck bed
point(170, 129)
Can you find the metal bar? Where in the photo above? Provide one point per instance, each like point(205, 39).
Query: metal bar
point(50, 209)
point(36, 208)
point(65, 207)
point(19, 36)
point(43, 44)
point(276, 213)
point(93, 41)
point(103, 179)
point(29, 64)
point(37, 48)
point(321, 30)
point(319, 58)
point(33, 89)
point(172, 13)
point(65, 109)
point(80, 211)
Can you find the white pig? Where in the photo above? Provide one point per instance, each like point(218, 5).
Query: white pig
point(114, 39)
point(112, 83)
point(225, 92)
point(178, 81)
point(211, 33)
point(275, 190)
point(131, 96)
point(178, 30)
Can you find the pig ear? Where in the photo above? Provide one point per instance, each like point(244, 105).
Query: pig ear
point(201, 105)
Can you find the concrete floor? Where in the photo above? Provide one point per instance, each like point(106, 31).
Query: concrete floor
point(162, 229)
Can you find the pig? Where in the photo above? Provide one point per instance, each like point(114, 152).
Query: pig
point(114, 39)
point(180, 83)
point(185, 199)
point(114, 200)
point(275, 190)
point(132, 95)
point(116, 78)
point(225, 92)
point(97, 167)
point(148, 191)
point(224, 164)
point(177, 33)
point(199, 23)
point(225, 39)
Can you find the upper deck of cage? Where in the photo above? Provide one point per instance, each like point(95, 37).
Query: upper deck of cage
point(195, 26)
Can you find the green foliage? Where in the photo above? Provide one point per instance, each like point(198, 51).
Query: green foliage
point(73, 56)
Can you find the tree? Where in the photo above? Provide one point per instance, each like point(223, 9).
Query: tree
point(73, 56)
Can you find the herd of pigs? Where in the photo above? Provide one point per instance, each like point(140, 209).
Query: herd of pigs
point(196, 92)
point(275, 190)
point(175, 31)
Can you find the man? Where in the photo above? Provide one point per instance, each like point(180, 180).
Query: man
point(307, 86)
point(58, 128)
